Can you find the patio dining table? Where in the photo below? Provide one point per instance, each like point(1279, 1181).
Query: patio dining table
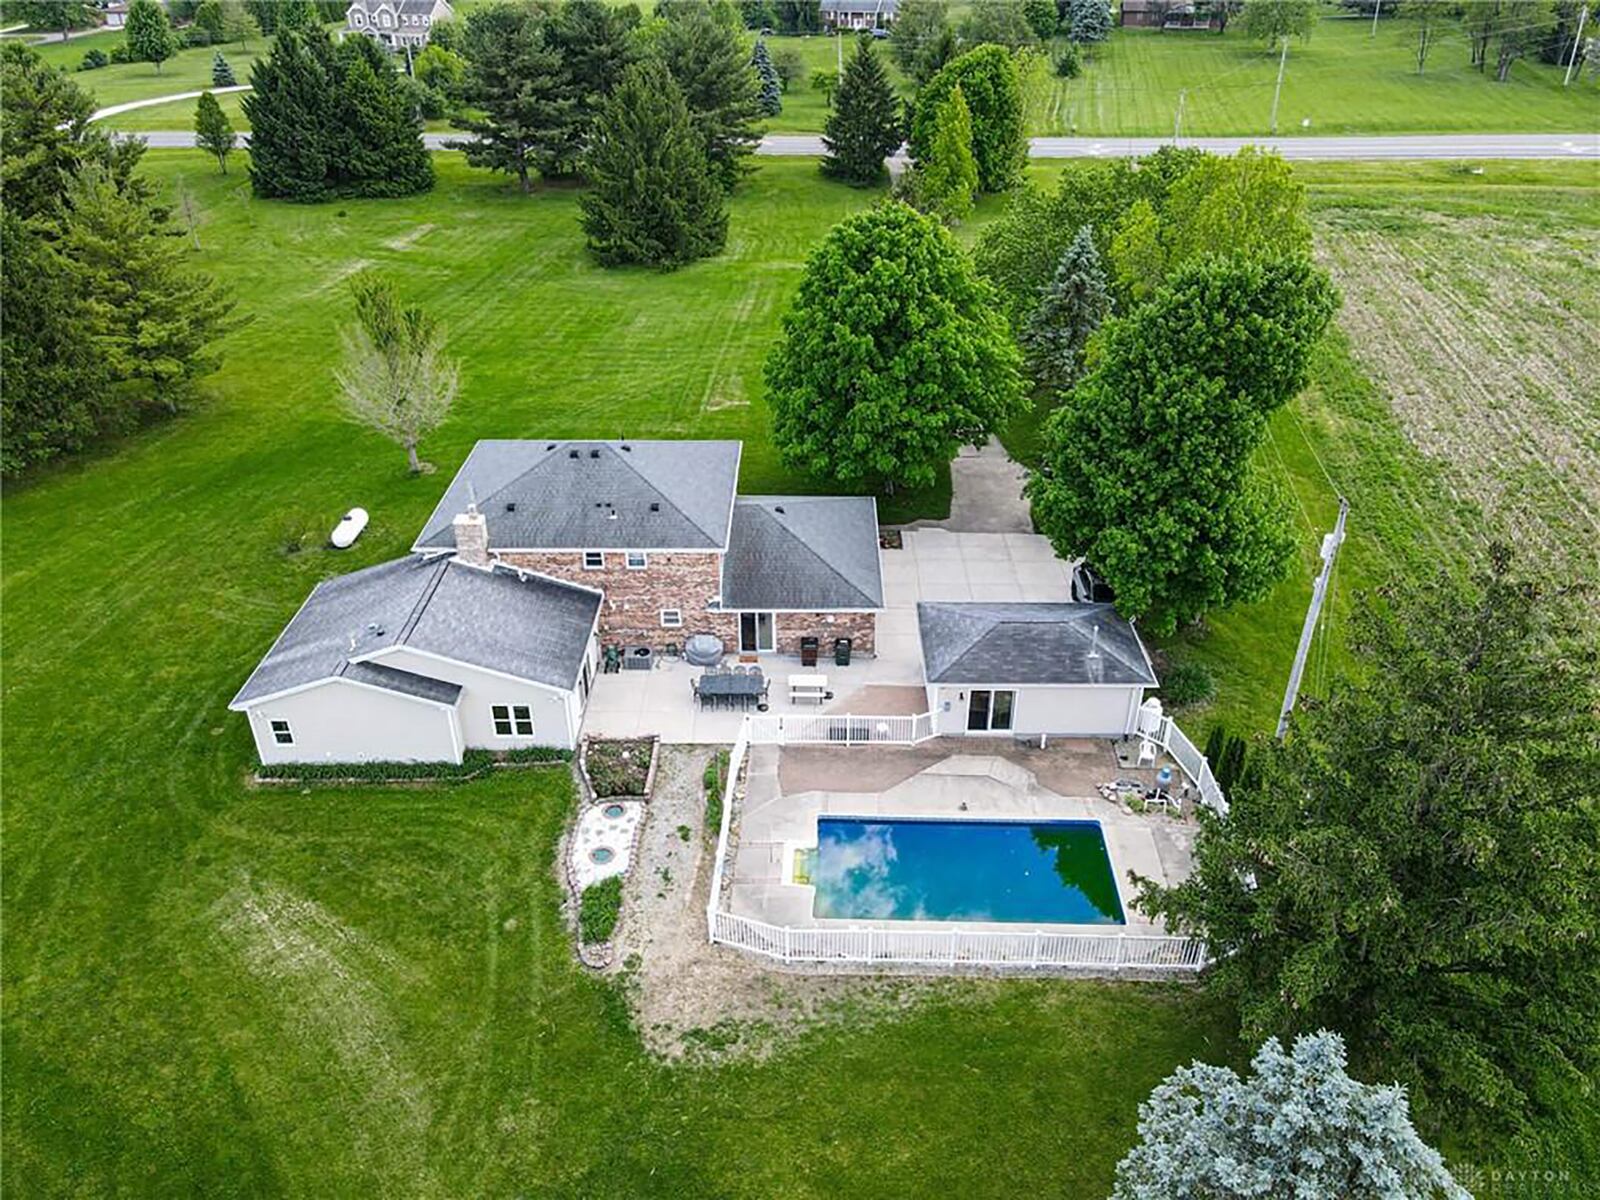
point(739, 689)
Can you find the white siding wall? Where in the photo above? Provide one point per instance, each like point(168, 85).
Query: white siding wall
point(344, 722)
point(1065, 711)
point(555, 715)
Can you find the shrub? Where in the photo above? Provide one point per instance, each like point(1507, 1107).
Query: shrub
point(1069, 62)
point(598, 910)
point(94, 60)
point(473, 763)
point(120, 54)
point(1187, 683)
point(195, 36)
point(715, 781)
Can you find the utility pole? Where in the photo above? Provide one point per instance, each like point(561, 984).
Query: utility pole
point(1376, 9)
point(1319, 592)
point(1283, 61)
point(1177, 119)
point(1572, 59)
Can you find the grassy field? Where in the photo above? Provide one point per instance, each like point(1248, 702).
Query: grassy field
point(186, 71)
point(215, 990)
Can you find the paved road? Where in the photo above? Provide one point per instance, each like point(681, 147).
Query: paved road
point(1476, 145)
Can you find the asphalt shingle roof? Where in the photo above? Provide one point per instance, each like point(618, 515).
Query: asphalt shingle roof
point(803, 552)
point(1043, 643)
point(553, 495)
point(530, 627)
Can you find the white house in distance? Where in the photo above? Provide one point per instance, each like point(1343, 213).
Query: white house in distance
point(421, 658)
point(398, 24)
point(858, 14)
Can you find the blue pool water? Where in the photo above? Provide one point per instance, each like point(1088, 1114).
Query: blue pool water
point(910, 870)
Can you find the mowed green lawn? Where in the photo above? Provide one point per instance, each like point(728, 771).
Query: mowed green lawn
point(216, 990)
point(1342, 80)
point(186, 71)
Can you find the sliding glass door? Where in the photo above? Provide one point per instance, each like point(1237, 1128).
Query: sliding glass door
point(757, 633)
point(988, 711)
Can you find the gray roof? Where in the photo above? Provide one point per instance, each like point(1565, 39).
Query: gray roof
point(803, 552)
point(632, 495)
point(417, 8)
point(883, 7)
point(983, 642)
point(531, 627)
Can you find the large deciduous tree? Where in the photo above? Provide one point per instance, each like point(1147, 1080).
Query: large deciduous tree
point(1149, 473)
point(921, 41)
point(892, 355)
point(520, 102)
point(1070, 309)
point(395, 377)
point(149, 33)
point(988, 79)
point(1275, 21)
point(704, 51)
point(863, 127)
point(652, 199)
point(1207, 1134)
point(1418, 863)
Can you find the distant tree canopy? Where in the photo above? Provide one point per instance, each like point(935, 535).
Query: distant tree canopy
point(105, 324)
point(1149, 471)
point(988, 79)
point(921, 40)
point(1418, 864)
point(332, 121)
point(703, 48)
point(149, 33)
point(892, 355)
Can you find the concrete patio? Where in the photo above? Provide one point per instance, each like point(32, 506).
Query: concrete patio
point(787, 789)
point(933, 564)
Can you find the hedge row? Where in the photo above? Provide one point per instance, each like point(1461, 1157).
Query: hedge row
point(473, 763)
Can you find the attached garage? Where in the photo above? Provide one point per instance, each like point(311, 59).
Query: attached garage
point(995, 669)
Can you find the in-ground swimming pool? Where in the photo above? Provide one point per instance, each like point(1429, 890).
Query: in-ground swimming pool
point(928, 870)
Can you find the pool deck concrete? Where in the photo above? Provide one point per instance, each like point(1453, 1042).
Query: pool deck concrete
point(788, 789)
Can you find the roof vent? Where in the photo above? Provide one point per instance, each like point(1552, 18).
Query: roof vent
point(612, 515)
point(655, 506)
point(511, 506)
point(572, 454)
point(627, 447)
point(777, 508)
point(550, 446)
point(375, 630)
point(594, 454)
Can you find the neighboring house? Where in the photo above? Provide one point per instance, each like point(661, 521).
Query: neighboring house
point(397, 23)
point(659, 528)
point(421, 658)
point(858, 14)
point(116, 15)
point(1032, 668)
point(1169, 14)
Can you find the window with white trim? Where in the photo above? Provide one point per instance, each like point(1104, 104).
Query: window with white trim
point(671, 618)
point(594, 560)
point(512, 720)
point(637, 560)
point(282, 734)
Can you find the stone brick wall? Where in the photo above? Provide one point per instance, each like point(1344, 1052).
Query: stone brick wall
point(631, 611)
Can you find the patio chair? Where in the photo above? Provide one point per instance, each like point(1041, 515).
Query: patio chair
point(694, 690)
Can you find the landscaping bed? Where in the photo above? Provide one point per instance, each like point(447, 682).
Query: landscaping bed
point(619, 767)
point(473, 764)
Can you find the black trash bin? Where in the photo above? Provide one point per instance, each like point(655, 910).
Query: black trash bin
point(808, 652)
point(841, 652)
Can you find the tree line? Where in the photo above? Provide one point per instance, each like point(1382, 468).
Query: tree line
point(106, 324)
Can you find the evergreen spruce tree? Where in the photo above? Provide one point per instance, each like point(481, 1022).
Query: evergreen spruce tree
point(377, 138)
point(1089, 20)
point(294, 14)
point(1070, 310)
point(949, 177)
point(704, 52)
point(150, 36)
point(221, 72)
point(521, 105)
point(597, 43)
point(212, 131)
point(771, 94)
point(651, 199)
point(289, 106)
point(863, 127)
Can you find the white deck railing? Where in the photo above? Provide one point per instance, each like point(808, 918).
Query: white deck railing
point(1193, 764)
point(840, 729)
point(1032, 948)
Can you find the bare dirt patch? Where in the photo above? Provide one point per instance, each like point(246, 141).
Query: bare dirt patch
point(1484, 332)
point(407, 240)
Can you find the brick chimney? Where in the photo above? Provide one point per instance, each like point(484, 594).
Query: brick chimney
point(472, 537)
